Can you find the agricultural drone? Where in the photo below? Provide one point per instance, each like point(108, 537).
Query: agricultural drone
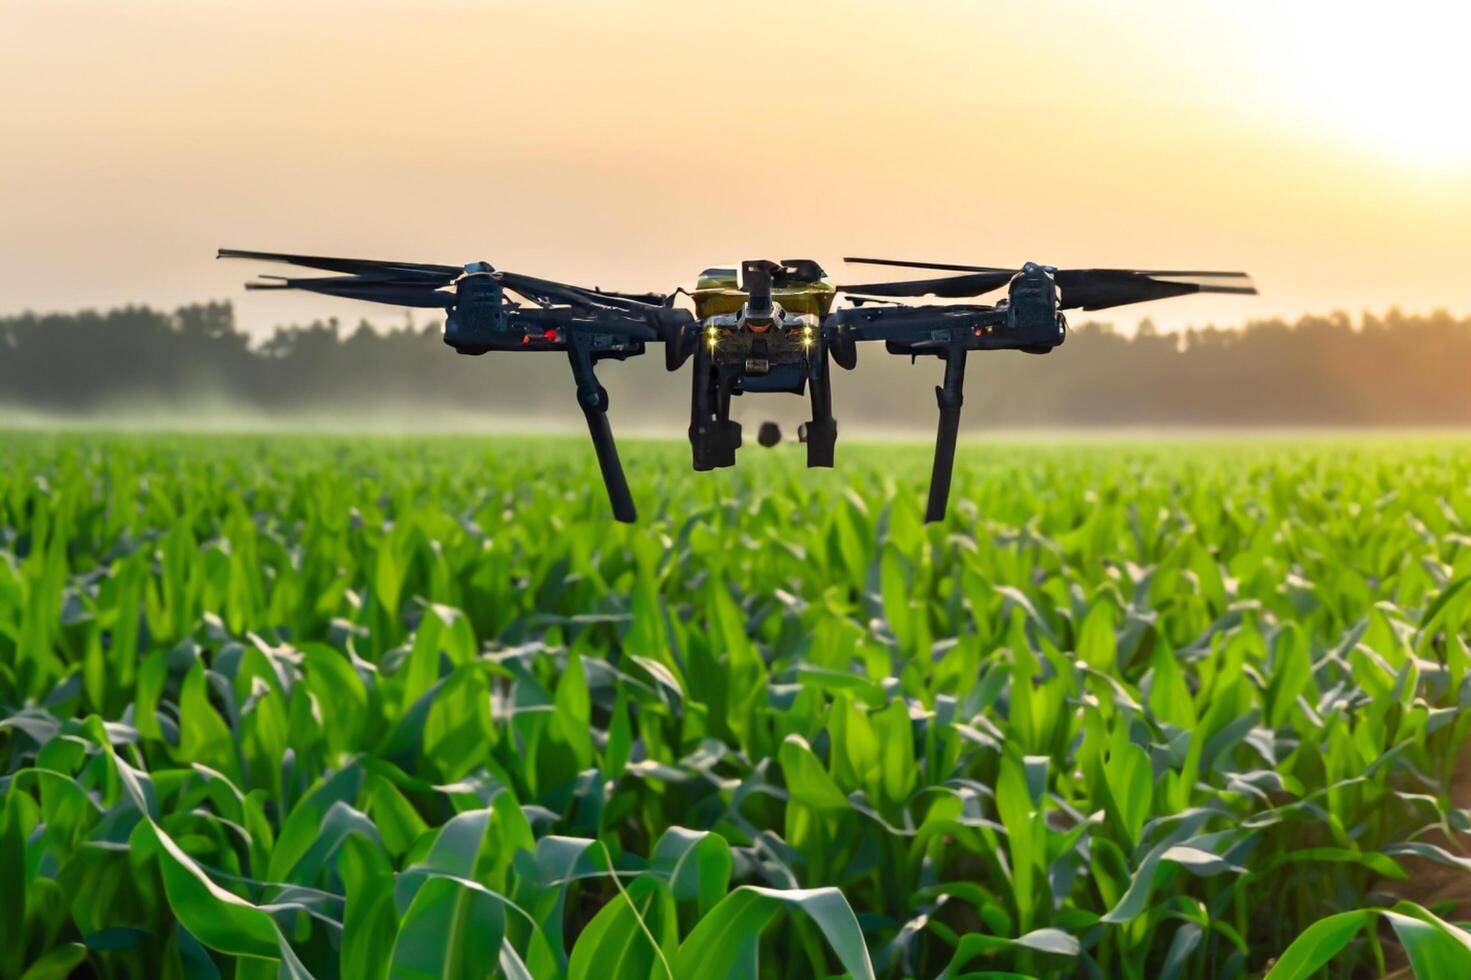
point(761, 326)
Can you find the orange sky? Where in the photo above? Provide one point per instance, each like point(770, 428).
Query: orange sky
point(630, 144)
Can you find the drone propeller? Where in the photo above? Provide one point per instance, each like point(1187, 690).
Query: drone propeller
point(945, 287)
point(1100, 289)
point(395, 292)
point(441, 275)
point(394, 283)
point(416, 284)
point(937, 266)
point(1087, 289)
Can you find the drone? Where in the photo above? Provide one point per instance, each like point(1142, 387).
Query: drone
point(757, 326)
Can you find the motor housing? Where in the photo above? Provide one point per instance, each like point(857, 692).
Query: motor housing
point(1033, 320)
point(479, 318)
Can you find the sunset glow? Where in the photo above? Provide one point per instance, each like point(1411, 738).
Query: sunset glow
point(1320, 146)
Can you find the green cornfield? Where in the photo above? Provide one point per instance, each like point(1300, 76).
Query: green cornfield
point(322, 707)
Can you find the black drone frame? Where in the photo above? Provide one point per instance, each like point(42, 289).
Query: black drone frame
point(593, 325)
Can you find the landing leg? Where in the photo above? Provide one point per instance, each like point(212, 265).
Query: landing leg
point(949, 397)
point(702, 415)
point(594, 402)
point(728, 433)
point(714, 438)
point(822, 430)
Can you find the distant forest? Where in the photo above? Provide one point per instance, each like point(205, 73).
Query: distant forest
point(1397, 369)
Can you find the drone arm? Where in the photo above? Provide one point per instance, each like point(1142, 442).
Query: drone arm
point(935, 329)
point(593, 400)
point(914, 324)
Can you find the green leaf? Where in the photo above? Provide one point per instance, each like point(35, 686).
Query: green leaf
point(370, 920)
point(807, 781)
point(57, 964)
point(632, 936)
point(1014, 804)
point(1051, 941)
point(203, 735)
point(1169, 695)
point(13, 878)
point(339, 690)
point(1096, 644)
point(697, 865)
point(894, 586)
point(304, 825)
point(1318, 944)
point(1435, 947)
point(895, 733)
point(1130, 782)
point(723, 944)
point(219, 919)
point(398, 822)
point(448, 931)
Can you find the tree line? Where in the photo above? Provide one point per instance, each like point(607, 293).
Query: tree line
point(1395, 369)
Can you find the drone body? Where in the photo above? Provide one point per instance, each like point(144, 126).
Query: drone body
point(761, 327)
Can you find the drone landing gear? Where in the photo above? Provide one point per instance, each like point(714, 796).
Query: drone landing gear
point(714, 438)
point(949, 397)
point(822, 430)
point(593, 399)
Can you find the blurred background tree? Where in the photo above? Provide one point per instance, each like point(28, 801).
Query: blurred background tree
point(1393, 370)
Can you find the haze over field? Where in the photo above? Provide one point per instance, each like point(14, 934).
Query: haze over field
point(196, 367)
point(1320, 146)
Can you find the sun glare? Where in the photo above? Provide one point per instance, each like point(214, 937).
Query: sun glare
point(1393, 77)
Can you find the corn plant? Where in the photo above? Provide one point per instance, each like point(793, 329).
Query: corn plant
point(321, 707)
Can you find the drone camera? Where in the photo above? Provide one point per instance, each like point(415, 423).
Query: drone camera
point(756, 280)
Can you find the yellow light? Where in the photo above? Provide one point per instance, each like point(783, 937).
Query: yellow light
point(712, 341)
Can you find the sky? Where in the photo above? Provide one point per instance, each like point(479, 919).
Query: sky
point(1323, 147)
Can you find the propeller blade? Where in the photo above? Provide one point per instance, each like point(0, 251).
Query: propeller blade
point(937, 266)
point(948, 287)
point(1087, 289)
point(441, 275)
point(1163, 274)
point(379, 274)
point(1101, 289)
point(394, 293)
